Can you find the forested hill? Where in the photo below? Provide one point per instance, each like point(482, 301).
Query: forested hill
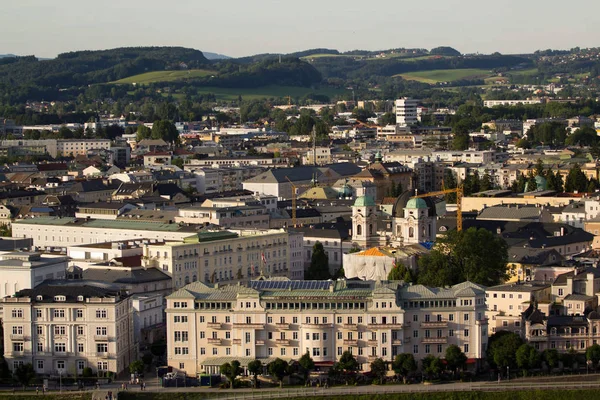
point(87, 67)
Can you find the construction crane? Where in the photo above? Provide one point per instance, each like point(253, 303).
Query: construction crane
point(294, 188)
point(459, 195)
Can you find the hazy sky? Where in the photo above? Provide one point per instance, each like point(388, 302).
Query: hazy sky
point(245, 27)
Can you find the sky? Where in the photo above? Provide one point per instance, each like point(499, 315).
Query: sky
point(245, 27)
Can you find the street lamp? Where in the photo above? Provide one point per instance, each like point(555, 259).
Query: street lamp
point(508, 372)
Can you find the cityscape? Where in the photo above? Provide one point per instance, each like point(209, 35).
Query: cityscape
point(316, 223)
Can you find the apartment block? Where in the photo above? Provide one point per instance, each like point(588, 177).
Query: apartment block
point(208, 325)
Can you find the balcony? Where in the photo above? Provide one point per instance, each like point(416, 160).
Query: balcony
point(101, 338)
point(435, 324)
point(20, 336)
point(21, 353)
point(372, 342)
point(385, 326)
point(396, 342)
point(283, 342)
point(249, 325)
point(436, 340)
point(540, 338)
point(237, 341)
point(373, 357)
point(216, 341)
point(215, 325)
point(351, 342)
point(105, 355)
point(322, 325)
point(260, 342)
point(351, 327)
point(283, 325)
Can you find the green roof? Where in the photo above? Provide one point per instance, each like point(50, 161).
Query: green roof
point(210, 236)
point(416, 203)
point(364, 201)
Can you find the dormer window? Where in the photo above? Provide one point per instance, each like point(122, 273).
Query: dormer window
point(60, 298)
point(39, 297)
point(79, 298)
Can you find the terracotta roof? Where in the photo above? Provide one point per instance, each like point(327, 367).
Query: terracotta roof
point(372, 252)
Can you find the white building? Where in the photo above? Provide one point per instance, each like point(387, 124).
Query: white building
point(210, 325)
point(406, 112)
point(62, 327)
point(148, 318)
point(25, 270)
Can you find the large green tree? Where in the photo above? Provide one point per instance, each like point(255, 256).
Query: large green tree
point(455, 358)
point(432, 366)
point(404, 364)
point(255, 367)
point(527, 358)
point(551, 358)
point(165, 130)
point(24, 374)
point(576, 180)
point(136, 367)
point(502, 349)
point(306, 364)
point(592, 354)
point(279, 369)
point(319, 264)
point(379, 369)
point(231, 371)
point(475, 255)
point(348, 362)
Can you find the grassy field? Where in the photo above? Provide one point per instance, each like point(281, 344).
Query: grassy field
point(165, 76)
point(446, 75)
point(267, 92)
point(325, 55)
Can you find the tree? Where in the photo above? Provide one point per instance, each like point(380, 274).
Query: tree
point(551, 357)
point(531, 185)
point(539, 168)
point(585, 136)
point(319, 264)
point(518, 185)
point(593, 354)
point(475, 255)
point(178, 162)
point(555, 181)
point(307, 364)
point(158, 348)
point(404, 364)
point(279, 369)
point(523, 144)
point(455, 358)
point(432, 366)
point(486, 183)
point(136, 367)
point(165, 130)
point(502, 349)
point(347, 362)
point(24, 374)
point(400, 272)
point(576, 180)
point(255, 367)
point(143, 132)
point(527, 357)
point(379, 369)
point(231, 371)
point(460, 141)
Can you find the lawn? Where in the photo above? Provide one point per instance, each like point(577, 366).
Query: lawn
point(165, 76)
point(446, 75)
point(325, 55)
point(267, 92)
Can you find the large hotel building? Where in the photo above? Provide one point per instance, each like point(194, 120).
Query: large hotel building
point(208, 325)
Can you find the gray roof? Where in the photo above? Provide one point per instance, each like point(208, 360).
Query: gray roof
point(465, 289)
point(516, 287)
point(510, 212)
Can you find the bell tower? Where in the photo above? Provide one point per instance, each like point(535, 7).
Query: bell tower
point(364, 222)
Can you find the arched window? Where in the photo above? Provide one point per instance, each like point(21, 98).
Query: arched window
point(194, 278)
point(359, 230)
point(411, 232)
point(187, 280)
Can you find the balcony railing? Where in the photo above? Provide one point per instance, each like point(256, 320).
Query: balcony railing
point(19, 336)
point(215, 325)
point(252, 325)
point(372, 342)
point(351, 342)
point(103, 338)
point(321, 325)
point(103, 354)
point(260, 342)
point(434, 324)
point(283, 325)
point(350, 326)
point(214, 340)
point(396, 342)
point(283, 342)
point(237, 341)
point(385, 326)
point(435, 340)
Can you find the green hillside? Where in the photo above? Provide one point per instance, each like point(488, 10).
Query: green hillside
point(446, 75)
point(266, 92)
point(165, 76)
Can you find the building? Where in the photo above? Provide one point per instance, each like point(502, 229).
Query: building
point(213, 256)
point(62, 327)
point(406, 112)
point(25, 270)
point(317, 156)
point(148, 318)
point(208, 325)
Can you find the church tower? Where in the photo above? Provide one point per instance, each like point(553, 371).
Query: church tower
point(364, 222)
point(417, 226)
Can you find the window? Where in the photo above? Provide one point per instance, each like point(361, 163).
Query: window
point(466, 317)
point(270, 351)
point(450, 332)
point(60, 347)
point(427, 349)
point(295, 351)
point(80, 365)
point(17, 313)
point(60, 364)
point(450, 317)
point(80, 330)
point(38, 313)
point(101, 330)
point(40, 347)
point(339, 351)
point(40, 365)
point(60, 330)
point(17, 330)
point(466, 348)
point(59, 313)
point(415, 349)
point(466, 333)
point(80, 347)
point(560, 292)
point(101, 313)
point(18, 346)
point(102, 347)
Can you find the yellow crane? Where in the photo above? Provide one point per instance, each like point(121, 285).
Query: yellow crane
point(459, 195)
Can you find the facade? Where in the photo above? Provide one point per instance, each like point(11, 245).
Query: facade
point(406, 112)
point(148, 318)
point(62, 327)
point(228, 256)
point(209, 325)
point(25, 270)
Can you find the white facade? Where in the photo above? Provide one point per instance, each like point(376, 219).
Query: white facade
point(406, 112)
point(22, 270)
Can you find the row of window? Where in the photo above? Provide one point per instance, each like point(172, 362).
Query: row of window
point(59, 313)
point(61, 347)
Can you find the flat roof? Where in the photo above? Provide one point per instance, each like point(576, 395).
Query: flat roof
point(108, 224)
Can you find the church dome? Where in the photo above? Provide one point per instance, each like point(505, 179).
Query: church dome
point(346, 192)
point(416, 203)
point(364, 201)
point(541, 183)
point(402, 202)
